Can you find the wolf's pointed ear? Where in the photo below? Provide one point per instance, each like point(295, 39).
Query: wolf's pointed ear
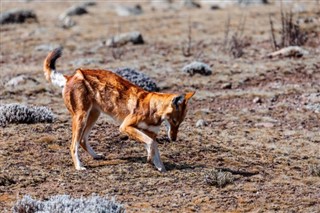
point(189, 95)
point(176, 101)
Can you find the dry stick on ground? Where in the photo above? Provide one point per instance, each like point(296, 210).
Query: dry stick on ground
point(291, 34)
point(186, 50)
point(273, 37)
point(237, 42)
point(117, 52)
point(226, 32)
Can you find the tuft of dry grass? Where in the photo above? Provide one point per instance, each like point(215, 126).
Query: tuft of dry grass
point(187, 48)
point(237, 42)
point(314, 170)
point(65, 203)
point(291, 34)
point(218, 178)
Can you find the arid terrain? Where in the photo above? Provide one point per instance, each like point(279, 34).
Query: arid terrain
point(262, 114)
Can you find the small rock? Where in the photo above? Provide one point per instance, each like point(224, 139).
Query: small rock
point(86, 61)
point(311, 98)
point(264, 124)
point(291, 51)
point(161, 4)
point(128, 11)
point(250, 2)
point(197, 67)
point(88, 4)
point(138, 78)
point(21, 79)
point(76, 10)
point(257, 100)
point(47, 47)
point(226, 86)
point(204, 111)
point(190, 4)
point(67, 22)
point(215, 7)
point(298, 8)
point(124, 38)
point(274, 98)
point(124, 137)
point(222, 4)
point(315, 107)
point(17, 16)
point(201, 123)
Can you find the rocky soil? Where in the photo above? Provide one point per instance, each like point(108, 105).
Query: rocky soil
point(260, 115)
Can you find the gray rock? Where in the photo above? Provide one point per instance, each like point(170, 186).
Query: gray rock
point(76, 10)
point(201, 123)
point(197, 67)
point(18, 80)
point(291, 51)
point(312, 102)
point(257, 100)
point(161, 4)
point(124, 38)
point(311, 98)
point(86, 61)
point(250, 2)
point(227, 85)
point(17, 16)
point(47, 47)
point(67, 22)
point(190, 4)
point(128, 11)
point(65, 203)
point(88, 4)
point(138, 78)
point(222, 4)
point(264, 124)
point(315, 107)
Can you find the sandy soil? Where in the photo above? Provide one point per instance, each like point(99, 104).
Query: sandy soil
point(276, 137)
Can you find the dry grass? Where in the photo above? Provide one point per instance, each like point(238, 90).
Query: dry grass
point(314, 170)
point(218, 178)
point(269, 144)
point(290, 34)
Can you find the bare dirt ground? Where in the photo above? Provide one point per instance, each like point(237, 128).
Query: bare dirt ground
point(276, 137)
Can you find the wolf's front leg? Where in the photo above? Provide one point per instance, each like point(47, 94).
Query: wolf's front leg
point(154, 156)
point(151, 145)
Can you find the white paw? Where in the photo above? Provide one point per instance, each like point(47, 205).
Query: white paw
point(162, 169)
point(80, 168)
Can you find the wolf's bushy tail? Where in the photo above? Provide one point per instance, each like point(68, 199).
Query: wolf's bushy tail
point(49, 68)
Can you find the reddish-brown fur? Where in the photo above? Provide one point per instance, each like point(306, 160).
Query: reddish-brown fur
point(87, 93)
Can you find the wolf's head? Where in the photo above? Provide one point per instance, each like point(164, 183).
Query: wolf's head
point(175, 114)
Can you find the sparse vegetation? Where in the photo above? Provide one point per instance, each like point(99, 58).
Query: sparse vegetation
point(138, 78)
point(270, 147)
point(65, 203)
point(290, 34)
point(315, 170)
point(237, 42)
point(187, 46)
point(17, 113)
point(218, 178)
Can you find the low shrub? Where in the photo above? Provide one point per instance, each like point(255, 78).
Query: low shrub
point(18, 113)
point(218, 178)
point(65, 203)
